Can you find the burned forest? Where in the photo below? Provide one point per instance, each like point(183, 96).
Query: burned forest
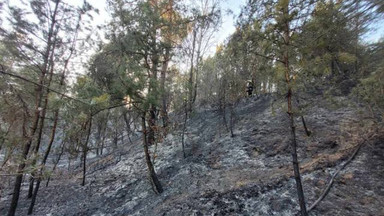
point(191, 107)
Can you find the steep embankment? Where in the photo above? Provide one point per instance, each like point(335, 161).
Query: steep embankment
point(249, 174)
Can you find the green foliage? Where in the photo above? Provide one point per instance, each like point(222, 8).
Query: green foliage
point(101, 101)
point(371, 90)
point(323, 49)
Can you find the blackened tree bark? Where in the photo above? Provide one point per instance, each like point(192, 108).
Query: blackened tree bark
point(223, 102)
point(42, 117)
point(53, 131)
point(307, 131)
point(52, 138)
point(156, 185)
point(104, 134)
point(56, 161)
point(85, 149)
point(190, 81)
point(39, 97)
point(128, 125)
point(27, 146)
point(295, 163)
point(231, 118)
point(151, 90)
point(184, 127)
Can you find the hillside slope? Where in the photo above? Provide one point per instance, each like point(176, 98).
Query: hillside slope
point(249, 174)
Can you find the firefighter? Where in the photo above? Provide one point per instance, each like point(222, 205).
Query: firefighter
point(249, 89)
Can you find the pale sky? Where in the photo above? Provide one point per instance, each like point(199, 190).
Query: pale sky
point(226, 29)
point(376, 32)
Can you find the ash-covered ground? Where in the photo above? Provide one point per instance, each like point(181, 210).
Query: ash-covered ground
point(248, 174)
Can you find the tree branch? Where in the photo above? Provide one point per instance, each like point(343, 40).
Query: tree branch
point(35, 83)
point(327, 189)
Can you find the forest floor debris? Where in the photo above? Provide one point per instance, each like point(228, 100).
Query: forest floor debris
point(249, 174)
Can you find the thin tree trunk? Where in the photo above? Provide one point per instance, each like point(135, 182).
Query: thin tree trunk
point(38, 142)
point(223, 114)
point(357, 29)
point(41, 126)
point(19, 177)
point(128, 125)
point(231, 119)
point(190, 82)
point(98, 138)
point(184, 128)
point(27, 146)
point(5, 135)
point(264, 87)
point(103, 142)
point(104, 135)
point(50, 68)
point(197, 70)
point(152, 110)
point(151, 125)
point(156, 185)
point(56, 162)
point(53, 133)
point(295, 162)
point(308, 132)
point(8, 155)
point(326, 190)
point(115, 138)
point(85, 150)
point(164, 112)
point(223, 105)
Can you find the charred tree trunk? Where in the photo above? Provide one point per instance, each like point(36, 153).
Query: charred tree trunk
point(98, 137)
point(104, 134)
point(222, 104)
point(152, 110)
point(197, 69)
point(151, 125)
point(103, 141)
point(4, 136)
point(53, 134)
point(308, 132)
point(115, 138)
point(156, 185)
point(190, 81)
point(26, 148)
point(52, 138)
point(56, 162)
point(20, 169)
point(357, 32)
point(39, 97)
point(38, 142)
point(295, 162)
point(128, 126)
point(231, 119)
point(184, 128)
point(85, 149)
point(49, 68)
